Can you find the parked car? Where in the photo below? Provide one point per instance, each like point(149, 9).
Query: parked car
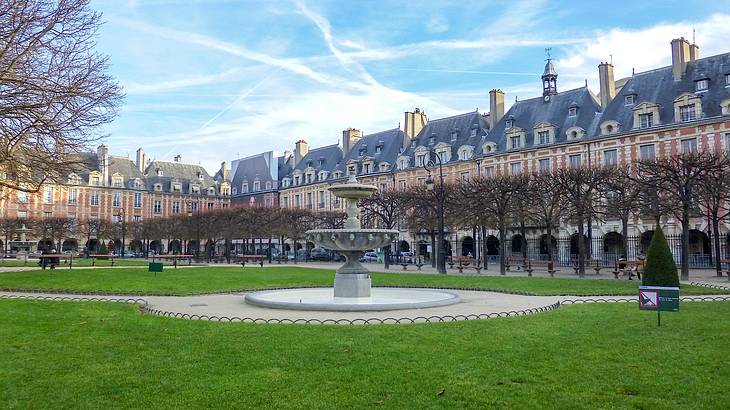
point(407, 257)
point(319, 254)
point(369, 257)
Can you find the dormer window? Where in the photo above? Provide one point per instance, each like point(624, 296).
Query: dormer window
point(176, 187)
point(420, 160)
point(515, 142)
point(727, 80)
point(361, 152)
point(366, 168)
point(454, 134)
point(383, 166)
point(200, 176)
point(322, 175)
point(73, 179)
point(195, 189)
point(211, 191)
point(510, 122)
point(403, 163)
point(158, 187)
point(244, 187)
point(432, 139)
point(351, 170)
point(378, 149)
point(629, 99)
point(137, 184)
point(321, 162)
point(572, 111)
point(235, 191)
point(701, 85)
point(268, 185)
point(256, 186)
point(117, 182)
point(473, 132)
point(646, 120)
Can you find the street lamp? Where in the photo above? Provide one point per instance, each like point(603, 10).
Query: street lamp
point(190, 203)
point(122, 219)
point(429, 166)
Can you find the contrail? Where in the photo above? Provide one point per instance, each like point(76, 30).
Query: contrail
point(434, 70)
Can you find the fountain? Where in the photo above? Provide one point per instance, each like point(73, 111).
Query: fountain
point(352, 289)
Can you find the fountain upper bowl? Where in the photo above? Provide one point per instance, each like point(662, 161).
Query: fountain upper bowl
point(352, 239)
point(353, 191)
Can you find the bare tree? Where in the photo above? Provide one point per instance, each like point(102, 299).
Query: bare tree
point(546, 206)
point(383, 210)
point(714, 197)
point(581, 188)
point(54, 89)
point(9, 228)
point(623, 196)
point(679, 177)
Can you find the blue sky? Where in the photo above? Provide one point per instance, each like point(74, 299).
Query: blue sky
point(214, 80)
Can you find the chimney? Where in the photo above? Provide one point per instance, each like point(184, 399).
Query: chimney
point(413, 124)
point(607, 85)
point(102, 157)
point(288, 157)
point(350, 137)
point(141, 160)
point(680, 57)
point(496, 107)
point(694, 52)
point(178, 158)
point(223, 169)
point(300, 150)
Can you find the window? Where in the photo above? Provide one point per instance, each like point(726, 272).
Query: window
point(431, 139)
point(489, 171)
point(297, 201)
point(727, 80)
point(94, 198)
point(137, 218)
point(727, 141)
point(320, 199)
point(158, 187)
point(402, 183)
point(378, 149)
point(256, 186)
point(138, 200)
point(365, 168)
point(351, 170)
point(48, 195)
point(454, 136)
point(515, 167)
point(137, 184)
point(687, 112)
point(309, 200)
point(22, 197)
point(73, 179)
point(646, 120)
point(689, 145)
point(175, 207)
point(117, 182)
point(361, 152)
point(464, 176)
point(572, 112)
point(610, 157)
point(95, 181)
point(192, 206)
point(211, 205)
point(509, 123)
point(73, 196)
point(473, 132)
point(117, 199)
point(543, 165)
point(574, 161)
point(629, 100)
point(244, 187)
point(157, 207)
point(515, 142)
point(286, 202)
point(268, 183)
point(544, 137)
point(420, 160)
point(701, 85)
point(646, 152)
point(22, 214)
point(176, 187)
point(195, 189)
point(47, 214)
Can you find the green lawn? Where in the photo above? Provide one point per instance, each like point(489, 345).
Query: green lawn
point(215, 279)
point(97, 355)
point(78, 262)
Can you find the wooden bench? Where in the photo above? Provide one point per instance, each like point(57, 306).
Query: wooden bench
point(536, 264)
point(518, 261)
point(174, 258)
point(52, 265)
point(597, 265)
point(628, 267)
point(243, 259)
point(726, 263)
point(469, 263)
point(418, 264)
point(281, 258)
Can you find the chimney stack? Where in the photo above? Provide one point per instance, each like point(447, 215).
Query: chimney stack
point(350, 137)
point(178, 158)
point(141, 160)
point(694, 52)
point(223, 169)
point(102, 157)
point(680, 57)
point(607, 84)
point(496, 107)
point(413, 124)
point(301, 149)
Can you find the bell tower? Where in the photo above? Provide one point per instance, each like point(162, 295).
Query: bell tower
point(549, 78)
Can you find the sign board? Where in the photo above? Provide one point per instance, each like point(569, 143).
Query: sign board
point(659, 298)
point(155, 267)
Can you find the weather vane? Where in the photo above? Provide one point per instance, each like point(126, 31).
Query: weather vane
point(547, 52)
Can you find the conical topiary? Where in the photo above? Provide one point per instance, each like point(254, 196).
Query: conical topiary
point(660, 269)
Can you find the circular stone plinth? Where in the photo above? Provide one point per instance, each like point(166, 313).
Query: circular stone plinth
point(324, 299)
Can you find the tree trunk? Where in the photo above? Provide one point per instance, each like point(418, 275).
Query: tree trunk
point(549, 239)
point(269, 251)
point(625, 237)
point(523, 244)
point(502, 261)
point(433, 249)
point(581, 249)
point(685, 242)
point(485, 257)
point(386, 252)
point(716, 243)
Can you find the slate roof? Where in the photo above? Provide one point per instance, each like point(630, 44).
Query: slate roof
point(383, 146)
point(252, 167)
point(186, 174)
point(529, 113)
point(441, 131)
point(126, 167)
point(331, 155)
point(658, 86)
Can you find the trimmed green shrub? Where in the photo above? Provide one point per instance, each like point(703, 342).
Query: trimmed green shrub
point(102, 249)
point(660, 269)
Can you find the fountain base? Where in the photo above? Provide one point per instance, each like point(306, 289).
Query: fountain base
point(325, 299)
point(352, 285)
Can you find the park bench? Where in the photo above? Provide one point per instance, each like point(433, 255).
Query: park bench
point(281, 258)
point(49, 260)
point(417, 262)
point(469, 263)
point(726, 263)
point(243, 259)
point(596, 263)
point(540, 264)
point(628, 267)
point(518, 261)
point(174, 258)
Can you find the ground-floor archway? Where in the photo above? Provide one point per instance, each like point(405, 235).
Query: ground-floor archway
point(192, 247)
point(544, 245)
point(447, 248)
point(645, 240)
point(492, 243)
point(404, 246)
point(45, 245)
point(156, 246)
point(613, 246)
point(517, 243)
point(467, 246)
point(70, 245)
point(574, 251)
point(175, 247)
point(136, 246)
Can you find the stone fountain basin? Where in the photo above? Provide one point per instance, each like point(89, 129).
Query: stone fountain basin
point(353, 191)
point(352, 239)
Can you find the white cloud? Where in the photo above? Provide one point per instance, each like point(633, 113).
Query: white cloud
point(132, 87)
point(437, 24)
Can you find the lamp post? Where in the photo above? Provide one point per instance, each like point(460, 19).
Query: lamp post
point(190, 203)
point(428, 166)
point(122, 219)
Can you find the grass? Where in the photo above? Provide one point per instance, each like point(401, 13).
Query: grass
point(96, 355)
point(77, 262)
point(185, 281)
